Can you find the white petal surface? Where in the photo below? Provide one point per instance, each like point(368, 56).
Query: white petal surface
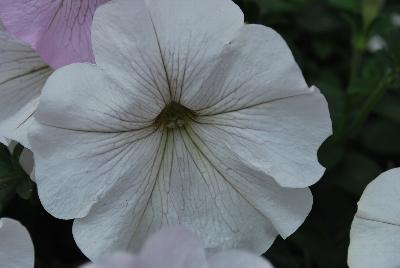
point(237, 259)
point(4, 141)
point(286, 208)
point(16, 247)
point(85, 142)
point(266, 111)
point(175, 41)
point(174, 247)
point(255, 67)
point(375, 231)
point(280, 138)
point(268, 114)
point(380, 200)
point(22, 76)
point(228, 206)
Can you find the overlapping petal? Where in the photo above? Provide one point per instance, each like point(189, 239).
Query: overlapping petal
point(177, 247)
point(117, 260)
point(375, 231)
point(16, 247)
point(22, 76)
point(59, 30)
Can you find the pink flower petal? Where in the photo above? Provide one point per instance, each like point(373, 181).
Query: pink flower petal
point(58, 29)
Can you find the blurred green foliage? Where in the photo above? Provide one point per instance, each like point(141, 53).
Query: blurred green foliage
point(329, 39)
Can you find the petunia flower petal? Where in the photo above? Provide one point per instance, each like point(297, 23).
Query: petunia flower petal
point(280, 138)
point(104, 130)
point(375, 231)
point(176, 247)
point(268, 114)
point(22, 76)
point(118, 260)
point(59, 30)
point(16, 247)
point(175, 41)
point(271, 73)
point(286, 208)
point(193, 190)
point(237, 259)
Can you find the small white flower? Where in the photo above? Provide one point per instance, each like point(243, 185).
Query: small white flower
point(176, 247)
point(190, 117)
point(375, 232)
point(22, 76)
point(376, 43)
point(16, 247)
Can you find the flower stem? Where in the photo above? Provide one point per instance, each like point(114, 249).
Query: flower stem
point(370, 103)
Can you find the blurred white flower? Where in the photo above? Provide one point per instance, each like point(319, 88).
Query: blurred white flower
point(22, 76)
point(395, 18)
point(376, 43)
point(175, 247)
point(190, 117)
point(375, 232)
point(16, 247)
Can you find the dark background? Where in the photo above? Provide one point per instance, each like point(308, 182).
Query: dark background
point(329, 39)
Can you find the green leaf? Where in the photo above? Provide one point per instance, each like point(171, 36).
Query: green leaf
point(13, 179)
point(5, 161)
point(7, 192)
point(370, 9)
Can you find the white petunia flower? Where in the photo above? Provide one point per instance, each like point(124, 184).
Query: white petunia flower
point(375, 232)
point(16, 247)
point(190, 117)
point(22, 76)
point(175, 247)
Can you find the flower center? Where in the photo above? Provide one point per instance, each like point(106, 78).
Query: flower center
point(174, 115)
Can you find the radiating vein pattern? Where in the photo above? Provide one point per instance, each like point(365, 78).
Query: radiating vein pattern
point(188, 117)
